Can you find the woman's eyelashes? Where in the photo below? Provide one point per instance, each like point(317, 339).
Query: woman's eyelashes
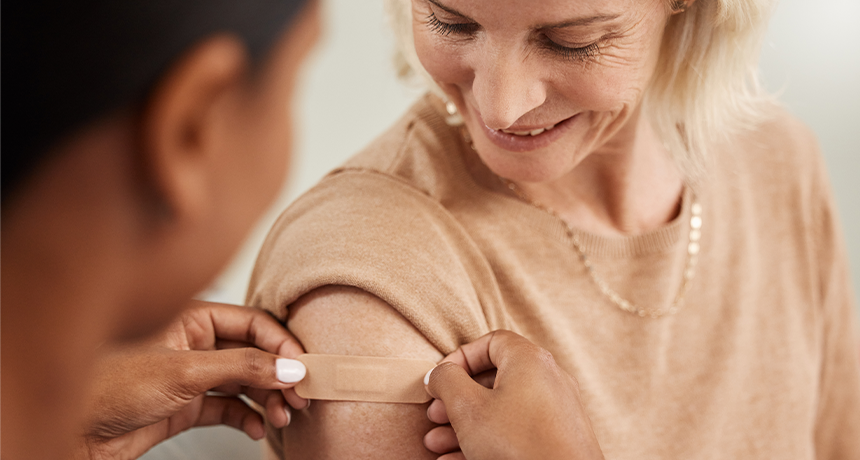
point(467, 29)
point(580, 53)
point(446, 28)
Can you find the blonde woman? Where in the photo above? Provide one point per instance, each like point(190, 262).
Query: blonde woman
point(608, 180)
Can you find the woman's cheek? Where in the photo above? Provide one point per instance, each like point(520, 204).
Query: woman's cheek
point(601, 91)
point(446, 63)
point(621, 77)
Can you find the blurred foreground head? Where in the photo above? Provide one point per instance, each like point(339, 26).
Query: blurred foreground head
point(142, 133)
point(141, 141)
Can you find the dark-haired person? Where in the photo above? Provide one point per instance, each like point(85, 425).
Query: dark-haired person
point(141, 140)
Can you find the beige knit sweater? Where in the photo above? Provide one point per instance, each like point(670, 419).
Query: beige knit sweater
point(760, 362)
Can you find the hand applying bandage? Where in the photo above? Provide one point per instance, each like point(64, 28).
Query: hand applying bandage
point(532, 408)
point(146, 393)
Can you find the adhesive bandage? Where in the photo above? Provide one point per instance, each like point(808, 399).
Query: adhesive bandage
point(364, 378)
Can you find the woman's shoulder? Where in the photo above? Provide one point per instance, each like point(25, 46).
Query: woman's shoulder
point(376, 231)
point(420, 150)
point(779, 155)
point(781, 144)
point(773, 179)
point(398, 182)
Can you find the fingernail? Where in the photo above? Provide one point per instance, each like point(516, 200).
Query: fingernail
point(289, 416)
point(427, 376)
point(290, 370)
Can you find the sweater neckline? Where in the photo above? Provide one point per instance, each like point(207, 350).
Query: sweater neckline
point(479, 182)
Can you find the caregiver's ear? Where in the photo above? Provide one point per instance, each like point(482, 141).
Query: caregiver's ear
point(184, 123)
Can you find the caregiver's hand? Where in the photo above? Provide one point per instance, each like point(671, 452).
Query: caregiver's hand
point(532, 410)
point(149, 392)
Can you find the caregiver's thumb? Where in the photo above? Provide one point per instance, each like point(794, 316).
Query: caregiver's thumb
point(452, 384)
point(532, 408)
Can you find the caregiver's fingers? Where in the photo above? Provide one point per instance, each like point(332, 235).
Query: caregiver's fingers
point(202, 411)
point(453, 456)
point(294, 400)
point(277, 412)
point(244, 366)
point(207, 322)
point(450, 383)
point(273, 403)
point(491, 350)
point(486, 379)
point(436, 411)
point(270, 402)
point(441, 440)
point(233, 412)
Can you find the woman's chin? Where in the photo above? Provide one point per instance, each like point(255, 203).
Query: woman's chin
point(527, 167)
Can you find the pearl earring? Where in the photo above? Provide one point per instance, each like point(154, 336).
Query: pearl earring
point(454, 118)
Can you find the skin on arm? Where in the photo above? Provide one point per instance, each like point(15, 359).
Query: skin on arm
point(344, 320)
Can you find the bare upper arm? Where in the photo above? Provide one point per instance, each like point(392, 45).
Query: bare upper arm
point(349, 321)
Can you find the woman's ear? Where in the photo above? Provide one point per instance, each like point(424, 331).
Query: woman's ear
point(180, 135)
point(679, 6)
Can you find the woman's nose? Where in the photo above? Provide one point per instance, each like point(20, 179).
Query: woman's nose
point(506, 87)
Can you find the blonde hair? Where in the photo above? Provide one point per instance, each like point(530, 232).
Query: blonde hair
point(705, 87)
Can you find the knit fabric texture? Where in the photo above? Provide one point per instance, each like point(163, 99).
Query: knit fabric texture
point(761, 361)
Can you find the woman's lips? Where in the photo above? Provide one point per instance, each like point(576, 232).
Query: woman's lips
point(518, 143)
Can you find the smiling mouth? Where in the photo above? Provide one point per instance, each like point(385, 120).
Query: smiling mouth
point(525, 138)
point(533, 132)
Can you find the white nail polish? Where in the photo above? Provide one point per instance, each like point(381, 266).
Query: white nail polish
point(290, 370)
point(427, 376)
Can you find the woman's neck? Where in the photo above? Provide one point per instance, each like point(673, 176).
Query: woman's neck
point(628, 186)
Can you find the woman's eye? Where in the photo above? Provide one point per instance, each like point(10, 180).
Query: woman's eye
point(446, 28)
point(581, 53)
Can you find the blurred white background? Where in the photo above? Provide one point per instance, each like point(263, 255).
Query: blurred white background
point(350, 95)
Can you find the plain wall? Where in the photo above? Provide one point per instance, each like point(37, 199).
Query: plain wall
point(350, 95)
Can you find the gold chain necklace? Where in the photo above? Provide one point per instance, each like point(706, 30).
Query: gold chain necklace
point(693, 247)
point(622, 303)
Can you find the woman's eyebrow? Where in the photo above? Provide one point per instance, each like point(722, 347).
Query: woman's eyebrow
point(448, 9)
point(584, 21)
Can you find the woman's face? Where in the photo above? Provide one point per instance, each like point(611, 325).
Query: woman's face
point(541, 84)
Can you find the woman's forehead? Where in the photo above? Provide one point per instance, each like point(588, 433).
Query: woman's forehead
point(546, 13)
